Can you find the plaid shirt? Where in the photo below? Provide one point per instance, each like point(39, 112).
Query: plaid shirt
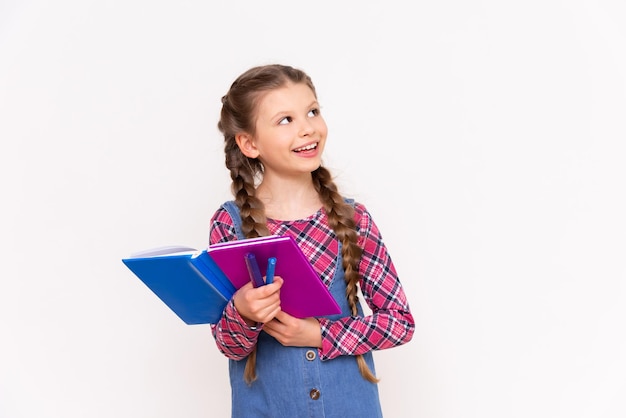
point(390, 323)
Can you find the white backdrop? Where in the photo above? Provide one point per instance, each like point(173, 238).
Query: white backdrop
point(486, 138)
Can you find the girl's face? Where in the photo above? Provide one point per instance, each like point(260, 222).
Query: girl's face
point(290, 132)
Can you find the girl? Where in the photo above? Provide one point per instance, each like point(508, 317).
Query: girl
point(279, 365)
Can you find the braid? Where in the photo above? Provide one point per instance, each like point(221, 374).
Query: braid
point(252, 214)
point(341, 219)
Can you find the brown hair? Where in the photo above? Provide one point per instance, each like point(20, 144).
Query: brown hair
point(238, 115)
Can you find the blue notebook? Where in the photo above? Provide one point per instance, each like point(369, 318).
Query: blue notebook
point(197, 284)
point(186, 280)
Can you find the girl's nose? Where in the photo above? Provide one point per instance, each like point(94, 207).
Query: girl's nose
point(306, 128)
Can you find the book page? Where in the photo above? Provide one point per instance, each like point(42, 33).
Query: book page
point(164, 250)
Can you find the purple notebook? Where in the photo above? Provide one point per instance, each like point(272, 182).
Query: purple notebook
point(303, 294)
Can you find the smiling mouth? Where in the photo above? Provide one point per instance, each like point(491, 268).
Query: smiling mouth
point(306, 148)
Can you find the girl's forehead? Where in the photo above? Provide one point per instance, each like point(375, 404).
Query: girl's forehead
point(286, 97)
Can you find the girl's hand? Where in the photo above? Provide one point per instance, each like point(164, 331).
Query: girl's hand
point(259, 304)
point(292, 331)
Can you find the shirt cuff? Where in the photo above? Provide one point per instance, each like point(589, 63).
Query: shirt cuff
point(235, 317)
point(325, 352)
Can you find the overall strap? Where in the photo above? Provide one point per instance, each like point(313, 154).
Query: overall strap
point(233, 211)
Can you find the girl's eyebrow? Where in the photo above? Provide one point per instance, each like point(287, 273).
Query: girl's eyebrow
point(283, 113)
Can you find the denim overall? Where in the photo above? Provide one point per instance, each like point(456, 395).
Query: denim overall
point(292, 382)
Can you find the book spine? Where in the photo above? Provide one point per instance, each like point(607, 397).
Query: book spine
point(205, 264)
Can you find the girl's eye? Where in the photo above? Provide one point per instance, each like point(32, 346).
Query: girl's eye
point(314, 112)
point(285, 120)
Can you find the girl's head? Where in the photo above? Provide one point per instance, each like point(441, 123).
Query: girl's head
point(243, 106)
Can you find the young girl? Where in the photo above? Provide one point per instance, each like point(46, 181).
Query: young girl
point(279, 365)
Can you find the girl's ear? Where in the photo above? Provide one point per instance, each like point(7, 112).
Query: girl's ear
point(246, 145)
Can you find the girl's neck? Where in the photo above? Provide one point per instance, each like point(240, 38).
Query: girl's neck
point(289, 199)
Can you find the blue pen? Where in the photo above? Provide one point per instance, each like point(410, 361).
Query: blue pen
point(269, 275)
point(253, 270)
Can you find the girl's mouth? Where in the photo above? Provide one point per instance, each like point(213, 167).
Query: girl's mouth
point(306, 148)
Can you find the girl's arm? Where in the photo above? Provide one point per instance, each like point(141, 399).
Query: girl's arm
point(234, 338)
point(391, 323)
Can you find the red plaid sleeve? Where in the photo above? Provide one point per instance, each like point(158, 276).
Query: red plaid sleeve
point(391, 323)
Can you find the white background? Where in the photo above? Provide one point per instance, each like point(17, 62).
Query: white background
point(486, 138)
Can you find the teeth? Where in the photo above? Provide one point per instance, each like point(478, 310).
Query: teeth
point(307, 148)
